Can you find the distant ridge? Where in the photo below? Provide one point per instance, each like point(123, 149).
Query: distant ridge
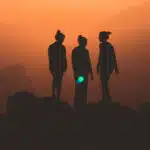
point(13, 78)
point(136, 17)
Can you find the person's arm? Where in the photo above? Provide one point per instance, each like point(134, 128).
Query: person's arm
point(65, 60)
point(90, 66)
point(50, 58)
point(98, 64)
point(115, 61)
point(73, 62)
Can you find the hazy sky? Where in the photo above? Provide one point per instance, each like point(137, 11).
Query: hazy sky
point(27, 27)
point(37, 18)
point(18, 11)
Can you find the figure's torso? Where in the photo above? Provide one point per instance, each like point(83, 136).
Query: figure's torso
point(106, 58)
point(57, 56)
point(81, 60)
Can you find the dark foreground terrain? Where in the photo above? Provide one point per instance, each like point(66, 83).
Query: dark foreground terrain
point(33, 123)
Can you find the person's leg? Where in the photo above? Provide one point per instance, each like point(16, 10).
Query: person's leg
point(75, 94)
point(103, 89)
point(75, 90)
point(85, 90)
point(103, 86)
point(53, 86)
point(78, 97)
point(107, 91)
point(59, 84)
point(85, 94)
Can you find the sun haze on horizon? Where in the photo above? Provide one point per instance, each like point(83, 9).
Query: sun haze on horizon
point(29, 26)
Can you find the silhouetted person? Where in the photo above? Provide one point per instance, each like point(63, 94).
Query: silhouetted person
point(107, 63)
point(57, 63)
point(81, 64)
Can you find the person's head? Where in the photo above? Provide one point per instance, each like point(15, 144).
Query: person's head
point(82, 41)
point(59, 37)
point(104, 36)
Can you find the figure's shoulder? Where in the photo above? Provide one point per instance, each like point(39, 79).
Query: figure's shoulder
point(63, 46)
point(49, 47)
point(109, 45)
point(102, 45)
point(86, 51)
point(75, 50)
point(52, 46)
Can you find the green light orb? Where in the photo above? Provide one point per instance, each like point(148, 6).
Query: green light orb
point(80, 79)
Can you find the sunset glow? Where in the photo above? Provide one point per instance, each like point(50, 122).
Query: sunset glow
point(28, 27)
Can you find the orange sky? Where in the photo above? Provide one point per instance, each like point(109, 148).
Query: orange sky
point(27, 27)
point(18, 11)
point(35, 17)
point(73, 17)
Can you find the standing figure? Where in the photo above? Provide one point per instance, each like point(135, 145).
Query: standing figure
point(107, 63)
point(81, 65)
point(57, 63)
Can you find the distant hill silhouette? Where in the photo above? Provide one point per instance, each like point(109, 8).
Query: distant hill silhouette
point(135, 17)
point(12, 79)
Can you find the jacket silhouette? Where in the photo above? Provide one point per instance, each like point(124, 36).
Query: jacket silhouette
point(57, 62)
point(107, 63)
point(81, 65)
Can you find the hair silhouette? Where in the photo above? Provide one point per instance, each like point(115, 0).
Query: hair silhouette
point(59, 36)
point(57, 63)
point(81, 65)
point(82, 41)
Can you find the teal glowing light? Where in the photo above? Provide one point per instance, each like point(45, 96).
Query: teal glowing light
point(80, 80)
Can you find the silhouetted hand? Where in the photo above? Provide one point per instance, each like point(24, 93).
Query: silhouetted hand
point(53, 73)
point(65, 70)
point(97, 68)
point(74, 76)
point(117, 71)
point(92, 77)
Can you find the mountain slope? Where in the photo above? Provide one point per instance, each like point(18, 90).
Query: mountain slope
point(131, 18)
